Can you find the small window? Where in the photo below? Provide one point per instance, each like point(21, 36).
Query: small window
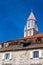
point(28, 24)
point(7, 56)
point(35, 54)
point(31, 22)
point(21, 45)
point(39, 39)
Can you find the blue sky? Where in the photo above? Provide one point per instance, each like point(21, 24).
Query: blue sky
point(13, 16)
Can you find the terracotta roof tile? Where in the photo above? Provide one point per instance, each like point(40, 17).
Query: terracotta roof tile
point(32, 37)
point(17, 47)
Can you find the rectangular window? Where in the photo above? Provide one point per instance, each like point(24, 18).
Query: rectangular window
point(7, 56)
point(28, 24)
point(21, 44)
point(35, 54)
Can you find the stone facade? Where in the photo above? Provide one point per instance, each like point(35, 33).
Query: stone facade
point(21, 58)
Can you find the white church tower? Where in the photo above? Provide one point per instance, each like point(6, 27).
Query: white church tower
point(31, 27)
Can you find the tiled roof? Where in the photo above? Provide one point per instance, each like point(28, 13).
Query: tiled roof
point(32, 37)
point(18, 41)
point(17, 48)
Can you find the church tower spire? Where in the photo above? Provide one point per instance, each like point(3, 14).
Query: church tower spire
point(31, 16)
point(31, 27)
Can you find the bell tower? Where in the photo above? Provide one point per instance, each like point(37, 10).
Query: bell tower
point(31, 27)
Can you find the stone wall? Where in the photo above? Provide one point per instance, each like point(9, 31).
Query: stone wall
point(21, 58)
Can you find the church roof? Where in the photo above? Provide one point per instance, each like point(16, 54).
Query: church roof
point(31, 16)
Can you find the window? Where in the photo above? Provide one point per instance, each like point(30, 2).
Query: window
point(35, 54)
point(29, 32)
point(7, 56)
point(39, 39)
point(26, 33)
point(31, 22)
point(28, 24)
point(21, 45)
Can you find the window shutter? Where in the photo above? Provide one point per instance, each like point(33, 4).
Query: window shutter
point(31, 54)
point(3, 56)
point(40, 54)
point(10, 55)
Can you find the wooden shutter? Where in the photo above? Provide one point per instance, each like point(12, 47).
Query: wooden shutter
point(10, 55)
point(3, 56)
point(40, 53)
point(31, 54)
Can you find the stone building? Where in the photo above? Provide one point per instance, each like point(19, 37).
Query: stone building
point(24, 51)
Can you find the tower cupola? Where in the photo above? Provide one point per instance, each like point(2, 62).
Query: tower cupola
point(31, 27)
